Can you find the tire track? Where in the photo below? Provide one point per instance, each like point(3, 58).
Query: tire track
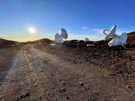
point(38, 76)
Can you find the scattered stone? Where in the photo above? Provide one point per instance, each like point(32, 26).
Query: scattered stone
point(130, 58)
point(74, 61)
point(35, 84)
point(133, 58)
point(19, 98)
point(63, 90)
point(63, 83)
point(67, 98)
point(81, 84)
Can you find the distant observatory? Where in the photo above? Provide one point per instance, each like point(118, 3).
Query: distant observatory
point(86, 39)
point(61, 36)
point(116, 39)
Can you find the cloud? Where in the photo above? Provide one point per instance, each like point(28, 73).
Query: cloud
point(97, 30)
point(83, 36)
point(84, 28)
point(120, 31)
point(93, 34)
point(3, 36)
point(97, 33)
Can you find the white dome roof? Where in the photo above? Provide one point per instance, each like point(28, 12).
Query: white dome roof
point(87, 39)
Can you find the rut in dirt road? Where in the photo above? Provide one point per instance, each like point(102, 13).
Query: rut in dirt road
point(40, 76)
point(33, 73)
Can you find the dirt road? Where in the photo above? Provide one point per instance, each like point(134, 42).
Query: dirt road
point(37, 75)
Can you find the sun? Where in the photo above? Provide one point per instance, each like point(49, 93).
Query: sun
point(32, 30)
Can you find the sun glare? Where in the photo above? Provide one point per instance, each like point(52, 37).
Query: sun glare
point(32, 30)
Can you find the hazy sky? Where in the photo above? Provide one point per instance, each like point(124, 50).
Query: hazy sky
point(80, 17)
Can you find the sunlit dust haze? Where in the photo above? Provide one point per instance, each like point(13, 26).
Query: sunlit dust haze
point(25, 38)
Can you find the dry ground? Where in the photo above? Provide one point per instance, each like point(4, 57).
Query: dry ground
point(6, 56)
point(41, 72)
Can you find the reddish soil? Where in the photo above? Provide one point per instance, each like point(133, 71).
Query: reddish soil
point(43, 71)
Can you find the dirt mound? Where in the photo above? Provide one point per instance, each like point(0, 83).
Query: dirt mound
point(7, 43)
point(45, 41)
point(81, 43)
point(111, 60)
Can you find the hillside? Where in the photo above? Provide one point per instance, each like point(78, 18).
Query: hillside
point(7, 43)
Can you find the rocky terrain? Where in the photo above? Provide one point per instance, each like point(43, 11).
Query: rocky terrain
point(45, 71)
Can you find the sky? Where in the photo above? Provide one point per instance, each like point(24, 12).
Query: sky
point(81, 18)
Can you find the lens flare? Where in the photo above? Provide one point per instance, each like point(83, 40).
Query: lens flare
point(32, 30)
